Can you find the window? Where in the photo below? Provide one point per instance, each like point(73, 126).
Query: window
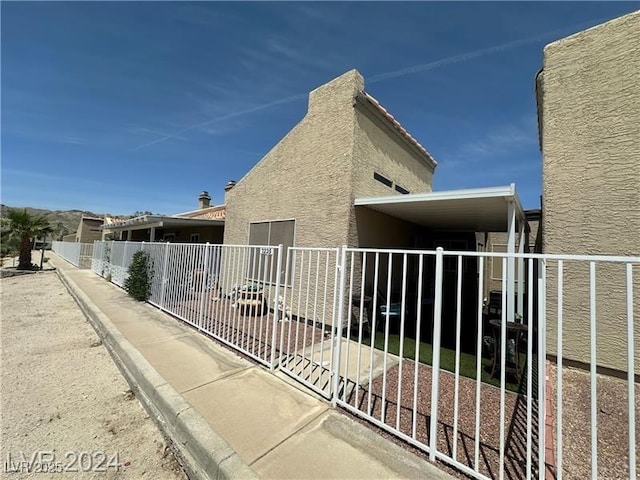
point(383, 180)
point(273, 233)
point(195, 238)
point(401, 190)
point(169, 237)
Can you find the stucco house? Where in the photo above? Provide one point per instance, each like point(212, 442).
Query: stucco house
point(349, 174)
point(341, 176)
point(588, 94)
point(345, 147)
point(206, 224)
point(88, 231)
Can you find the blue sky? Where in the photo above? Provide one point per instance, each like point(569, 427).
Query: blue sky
point(117, 107)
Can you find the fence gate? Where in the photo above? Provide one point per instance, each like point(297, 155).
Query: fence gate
point(307, 326)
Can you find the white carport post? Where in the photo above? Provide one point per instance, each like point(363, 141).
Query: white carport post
point(511, 249)
point(152, 235)
point(522, 240)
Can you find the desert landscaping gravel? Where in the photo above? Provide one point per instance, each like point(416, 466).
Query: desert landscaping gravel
point(64, 403)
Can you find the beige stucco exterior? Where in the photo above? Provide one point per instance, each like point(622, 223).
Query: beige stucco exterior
point(306, 176)
point(316, 171)
point(88, 230)
point(326, 161)
point(589, 107)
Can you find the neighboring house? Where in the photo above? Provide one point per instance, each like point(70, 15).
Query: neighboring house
point(109, 219)
point(71, 237)
point(588, 96)
point(198, 226)
point(89, 229)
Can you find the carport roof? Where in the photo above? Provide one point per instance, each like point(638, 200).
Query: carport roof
point(159, 221)
point(476, 209)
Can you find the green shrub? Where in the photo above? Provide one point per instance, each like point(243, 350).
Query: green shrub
point(140, 273)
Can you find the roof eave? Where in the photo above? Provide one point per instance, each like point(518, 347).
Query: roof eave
point(368, 101)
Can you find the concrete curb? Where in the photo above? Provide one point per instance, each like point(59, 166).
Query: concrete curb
point(203, 453)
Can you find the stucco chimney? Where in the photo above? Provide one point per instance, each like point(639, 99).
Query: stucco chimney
point(204, 200)
point(229, 186)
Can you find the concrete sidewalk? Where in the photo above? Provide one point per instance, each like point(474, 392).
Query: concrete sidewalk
point(227, 417)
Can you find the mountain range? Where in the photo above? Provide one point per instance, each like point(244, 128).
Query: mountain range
point(62, 221)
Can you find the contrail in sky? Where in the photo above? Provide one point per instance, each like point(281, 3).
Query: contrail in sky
point(223, 117)
point(463, 57)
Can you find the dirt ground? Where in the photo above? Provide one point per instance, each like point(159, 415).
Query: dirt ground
point(64, 403)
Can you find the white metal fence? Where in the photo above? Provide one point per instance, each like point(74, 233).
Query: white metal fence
point(226, 291)
point(78, 254)
point(414, 364)
point(308, 305)
point(407, 340)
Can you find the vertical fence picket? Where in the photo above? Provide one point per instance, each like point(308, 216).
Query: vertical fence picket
point(542, 376)
point(592, 371)
point(435, 379)
point(338, 330)
point(276, 310)
point(559, 354)
point(630, 372)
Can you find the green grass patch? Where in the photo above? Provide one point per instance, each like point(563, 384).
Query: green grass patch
point(447, 359)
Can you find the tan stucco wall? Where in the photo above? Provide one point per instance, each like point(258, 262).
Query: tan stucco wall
point(377, 230)
point(591, 177)
point(378, 148)
point(89, 231)
point(316, 171)
point(306, 176)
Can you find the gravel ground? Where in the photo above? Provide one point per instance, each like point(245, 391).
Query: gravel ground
point(252, 332)
point(489, 445)
point(61, 392)
point(612, 421)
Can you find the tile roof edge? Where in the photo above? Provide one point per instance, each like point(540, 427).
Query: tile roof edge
point(397, 126)
point(200, 210)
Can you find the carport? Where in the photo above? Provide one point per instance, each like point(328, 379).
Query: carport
point(493, 209)
point(149, 225)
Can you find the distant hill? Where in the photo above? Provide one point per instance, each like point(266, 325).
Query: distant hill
point(68, 220)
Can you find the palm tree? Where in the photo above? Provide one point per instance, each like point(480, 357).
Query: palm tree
point(24, 227)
